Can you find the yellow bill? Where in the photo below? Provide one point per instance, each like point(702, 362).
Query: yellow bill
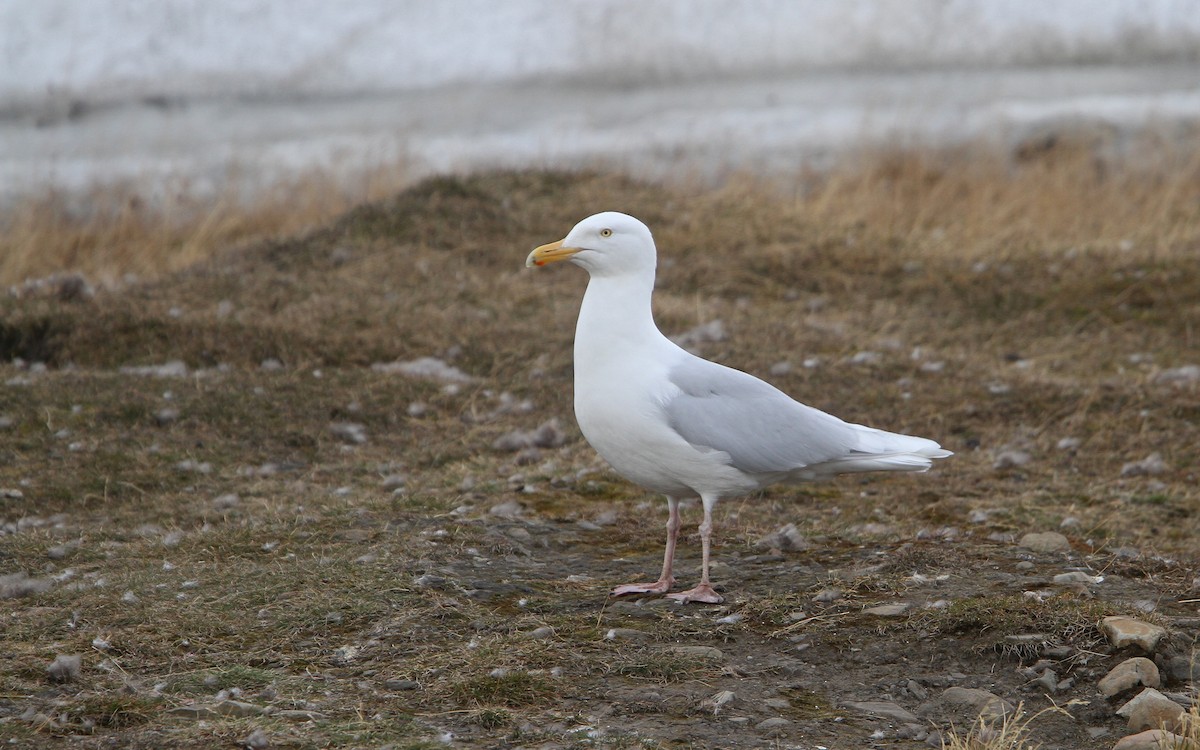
point(551, 253)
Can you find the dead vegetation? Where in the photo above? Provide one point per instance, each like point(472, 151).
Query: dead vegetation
point(1008, 304)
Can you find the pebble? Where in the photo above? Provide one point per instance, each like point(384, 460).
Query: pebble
point(426, 368)
point(542, 633)
point(226, 501)
point(777, 722)
point(786, 539)
point(1129, 674)
point(257, 740)
point(1128, 631)
point(1045, 541)
point(173, 369)
point(1179, 375)
point(401, 684)
point(1068, 443)
point(627, 634)
point(349, 432)
point(65, 668)
point(166, 416)
point(510, 509)
point(887, 610)
point(1151, 709)
point(1154, 739)
point(719, 701)
point(549, 434)
point(58, 552)
point(825, 596)
point(988, 705)
point(238, 708)
point(1076, 576)
point(1011, 459)
point(887, 709)
point(1151, 465)
point(712, 331)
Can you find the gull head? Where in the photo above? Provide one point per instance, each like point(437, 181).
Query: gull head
point(607, 244)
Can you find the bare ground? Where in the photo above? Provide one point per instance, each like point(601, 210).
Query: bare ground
point(345, 554)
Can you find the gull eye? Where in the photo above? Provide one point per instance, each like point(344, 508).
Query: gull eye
point(606, 233)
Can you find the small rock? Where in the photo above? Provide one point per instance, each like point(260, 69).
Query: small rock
point(541, 633)
point(17, 585)
point(270, 364)
point(701, 652)
point(887, 610)
point(173, 369)
point(627, 634)
point(711, 331)
point(1011, 459)
point(1154, 739)
point(194, 712)
point(1077, 576)
point(549, 434)
point(1068, 444)
point(401, 684)
point(349, 432)
point(226, 501)
point(787, 538)
point(780, 368)
point(988, 705)
point(59, 552)
point(779, 704)
point(65, 668)
point(1048, 680)
point(394, 481)
point(886, 709)
point(1045, 541)
point(510, 509)
point(164, 417)
point(825, 596)
point(1179, 375)
point(1151, 709)
point(1127, 631)
point(719, 701)
point(238, 708)
point(427, 368)
point(1129, 674)
point(777, 722)
point(1151, 465)
point(257, 740)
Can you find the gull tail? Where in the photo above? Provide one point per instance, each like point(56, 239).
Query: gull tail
point(878, 450)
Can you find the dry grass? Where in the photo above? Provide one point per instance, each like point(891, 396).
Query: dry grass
point(1010, 733)
point(117, 230)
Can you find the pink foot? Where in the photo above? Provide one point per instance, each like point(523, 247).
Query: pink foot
point(661, 586)
point(702, 593)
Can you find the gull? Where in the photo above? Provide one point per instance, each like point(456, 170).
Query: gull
point(683, 426)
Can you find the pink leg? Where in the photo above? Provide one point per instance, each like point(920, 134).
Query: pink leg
point(704, 591)
point(664, 582)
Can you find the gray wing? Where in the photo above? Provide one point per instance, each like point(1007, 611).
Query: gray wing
point(759, 426)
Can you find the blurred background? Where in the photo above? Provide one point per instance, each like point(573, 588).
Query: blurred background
point(179, 107)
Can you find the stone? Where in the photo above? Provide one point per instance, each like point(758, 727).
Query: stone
point(238, 708)
point(1129, 674)
point(825, 596)
point(1151, 465)
point(257, 740)
point(541, 633)
point(1154, 739)
point(1045, 541)
point(886, 709)
point(401, 684)
point(627, 634)
point(1128, 631)
point(988, 705)
point(1075, 576)
point(776, 723)
point(65, 668)
point(786, 539)
point(1151, 709)
point(887, 610)
point(193, 712)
